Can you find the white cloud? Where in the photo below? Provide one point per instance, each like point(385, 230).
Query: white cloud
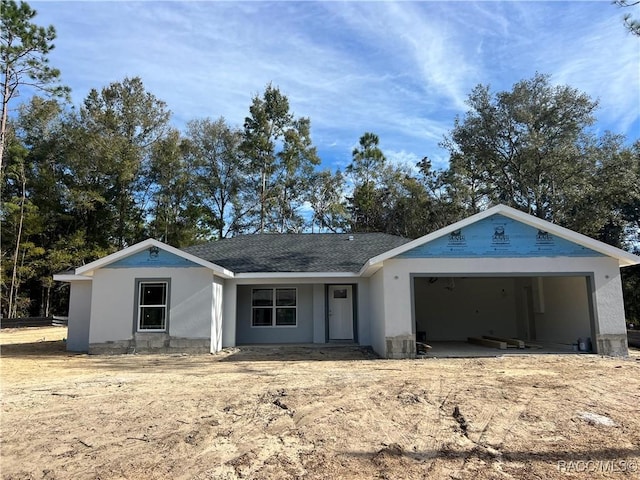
point(402, 158)
point(604, 62)
point(401, 70)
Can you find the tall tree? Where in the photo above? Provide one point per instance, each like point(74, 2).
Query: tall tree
point(603, 205)
point(279, 158)
point(213, 149)
point(31, 195)
point(36, 195)
point(175, 209)
point(297, 159)
point(525, 147)
point(327, 199)
point(16, 210)
point(416, 204)
point(365, 170)
point(114, 134)
point(24, 47)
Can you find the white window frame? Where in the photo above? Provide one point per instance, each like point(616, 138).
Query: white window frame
point(141, 283)
point(274, 307)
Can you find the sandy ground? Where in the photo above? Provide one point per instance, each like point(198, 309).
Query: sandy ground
point(332, 413)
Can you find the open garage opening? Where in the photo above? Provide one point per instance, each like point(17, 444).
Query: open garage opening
point(546, 314)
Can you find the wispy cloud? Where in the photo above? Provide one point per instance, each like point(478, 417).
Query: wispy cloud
point(402, 70)
point(604, 61)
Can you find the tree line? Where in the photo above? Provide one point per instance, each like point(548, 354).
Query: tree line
point(82, 181)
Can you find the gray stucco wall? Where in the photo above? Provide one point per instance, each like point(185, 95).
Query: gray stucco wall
point(79, 316)
point(302, 333)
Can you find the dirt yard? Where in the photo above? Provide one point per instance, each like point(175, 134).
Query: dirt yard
point(332, 413)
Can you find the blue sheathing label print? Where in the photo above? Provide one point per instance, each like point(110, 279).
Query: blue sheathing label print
point(499, 236)
point(152, 258)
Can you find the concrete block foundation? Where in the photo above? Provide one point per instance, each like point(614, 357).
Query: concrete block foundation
point(402, 346)
point(614, 345)
point(152, 343)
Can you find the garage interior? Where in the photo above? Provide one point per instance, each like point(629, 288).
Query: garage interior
point(495, 315)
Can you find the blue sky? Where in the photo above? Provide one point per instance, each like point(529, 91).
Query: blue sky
point(399, 69)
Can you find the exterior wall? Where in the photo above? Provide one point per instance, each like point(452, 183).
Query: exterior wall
point(229, 313)
point(453, 309)
point(611, 329)
point(607, 296)
point(301, 333)
point(364, 311)
point(114, 315)
point(319, 314)
point(217, 311)
point(377, 313)
point(79, 316)
point(237, 308)
point(400, 338)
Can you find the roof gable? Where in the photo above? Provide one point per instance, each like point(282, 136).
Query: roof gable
point(499, 236)
point(556, 232)
point(143, 255)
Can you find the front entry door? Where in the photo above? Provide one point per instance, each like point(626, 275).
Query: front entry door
point(340, 312)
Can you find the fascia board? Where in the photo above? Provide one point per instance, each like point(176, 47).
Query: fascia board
point(278, 275)
point(71, 278)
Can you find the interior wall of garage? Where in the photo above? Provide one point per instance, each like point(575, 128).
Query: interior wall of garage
point(454, 308)
point(565, 315)
point(547, 309)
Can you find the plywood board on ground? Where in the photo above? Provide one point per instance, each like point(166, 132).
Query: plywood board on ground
point(511, 342)
point(487, 343)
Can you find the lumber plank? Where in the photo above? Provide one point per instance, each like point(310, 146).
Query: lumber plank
point(509, 341)
point(487, 343)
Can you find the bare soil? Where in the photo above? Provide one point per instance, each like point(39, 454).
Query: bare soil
point(313, 413)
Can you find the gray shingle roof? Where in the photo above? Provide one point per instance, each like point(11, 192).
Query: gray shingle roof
point(304, 252)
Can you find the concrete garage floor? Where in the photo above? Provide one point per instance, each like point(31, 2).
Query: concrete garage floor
point(344, 351)
point(464, 349)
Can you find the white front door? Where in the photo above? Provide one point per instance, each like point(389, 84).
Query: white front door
point(340, 312)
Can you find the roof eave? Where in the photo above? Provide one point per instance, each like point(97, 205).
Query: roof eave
point(369, 268)
point(69, 277)
point(277, 275)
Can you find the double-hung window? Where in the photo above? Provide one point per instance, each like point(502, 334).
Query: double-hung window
point(152, 306)
point(274, 307)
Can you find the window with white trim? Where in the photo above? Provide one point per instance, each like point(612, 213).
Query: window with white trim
point(152, 306)
point(274, 307)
